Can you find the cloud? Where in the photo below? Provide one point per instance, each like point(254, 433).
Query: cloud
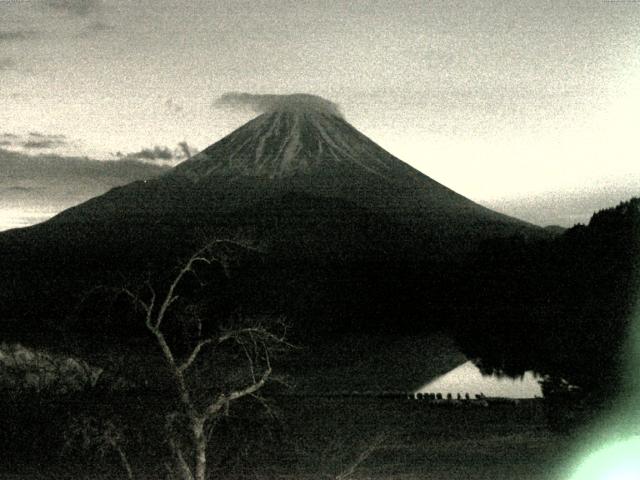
point(23, 167)
point(266, 103)
point(34, 141)
point(41, 141)
point(173, 106)
point(79, 8)
point(50, 183)
point(16, 35)
point(564, 208)
point(42, 144)
point(48, 136)
point(8, 139)
point(160, 154)
point(40, 179)
point(36, 187)
point(155, 153)
point(96, 28)
point(187, 151)
point(18, 189)
point(7, 63)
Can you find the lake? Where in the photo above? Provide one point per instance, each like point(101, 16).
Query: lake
point(467, 378)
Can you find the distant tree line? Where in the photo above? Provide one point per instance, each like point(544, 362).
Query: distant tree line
point(560, 306)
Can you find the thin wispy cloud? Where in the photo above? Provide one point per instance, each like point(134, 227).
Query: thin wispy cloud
point(36, 144)
point(95, 29)
point(161, 155)
point(8, 139)
point(7, 63)
point(17, 35)
point(48, 136)
point(80, 8)
point(264, 103)
point(172, 106)
point(18, 189)
point(155, 153)
point(42, 141)
point(42, 144)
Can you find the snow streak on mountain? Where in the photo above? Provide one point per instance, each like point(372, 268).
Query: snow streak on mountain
point(286, 143)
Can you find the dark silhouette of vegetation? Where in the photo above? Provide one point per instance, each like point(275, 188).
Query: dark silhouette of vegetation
point(561, 306)
point(169, 398)
point(206, 379)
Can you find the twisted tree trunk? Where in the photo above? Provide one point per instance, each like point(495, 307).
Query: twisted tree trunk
point(200, 444)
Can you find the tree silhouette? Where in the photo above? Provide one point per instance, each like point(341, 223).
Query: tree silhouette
point(214, 366)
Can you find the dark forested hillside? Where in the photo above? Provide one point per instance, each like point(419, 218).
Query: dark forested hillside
point(561, 307)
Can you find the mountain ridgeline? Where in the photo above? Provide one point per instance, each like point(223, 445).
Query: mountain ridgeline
point(306, 165)
point(332, 211)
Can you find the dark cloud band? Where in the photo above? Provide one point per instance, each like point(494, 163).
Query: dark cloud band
point(42, 144)
point(16, 35)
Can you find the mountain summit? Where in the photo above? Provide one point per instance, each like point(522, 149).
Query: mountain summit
point(290, 141)
point(303, 145)
point(298, 134)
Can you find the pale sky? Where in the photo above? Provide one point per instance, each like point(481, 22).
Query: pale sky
point(528, 107)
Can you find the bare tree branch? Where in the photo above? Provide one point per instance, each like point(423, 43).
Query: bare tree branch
point(194, 354)
point(361, 458)
point(223, 399)
point(183, 466)
point(249, 361)
point(262, 332)
point(197, 257)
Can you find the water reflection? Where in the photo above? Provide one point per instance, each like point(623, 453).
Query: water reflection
point(467, 378)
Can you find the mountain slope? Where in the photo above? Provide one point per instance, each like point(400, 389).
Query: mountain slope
point(294, 177)
point(310, 153)
point(354, 241)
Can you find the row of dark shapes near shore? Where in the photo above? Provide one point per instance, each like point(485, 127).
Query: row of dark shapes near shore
point(479, 399)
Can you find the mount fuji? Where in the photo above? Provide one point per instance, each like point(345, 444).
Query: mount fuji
point(299, 163)
point(353, 239)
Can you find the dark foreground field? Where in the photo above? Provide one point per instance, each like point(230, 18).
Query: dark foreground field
point(421, 441)
point(350, 437)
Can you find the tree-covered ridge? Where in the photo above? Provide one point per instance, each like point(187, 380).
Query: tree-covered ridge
point(562, 306)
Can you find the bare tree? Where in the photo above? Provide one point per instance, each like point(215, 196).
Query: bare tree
point(204, 394)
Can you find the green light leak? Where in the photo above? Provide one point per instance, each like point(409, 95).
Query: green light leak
point(612, 451)
point(619, 461)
